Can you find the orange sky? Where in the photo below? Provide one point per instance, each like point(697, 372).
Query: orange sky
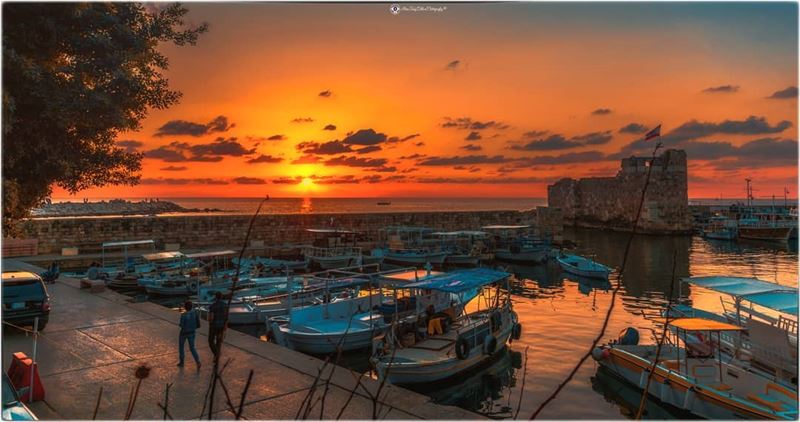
point(504, 69)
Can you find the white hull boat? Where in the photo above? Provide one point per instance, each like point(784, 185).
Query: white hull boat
point(583, 267)
point(415, 257)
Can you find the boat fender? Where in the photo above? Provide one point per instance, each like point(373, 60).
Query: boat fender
point(496, 320)
point(629, 337)
point(516, 331)
point(462, 348)
point(599, 353)
point(489, 344)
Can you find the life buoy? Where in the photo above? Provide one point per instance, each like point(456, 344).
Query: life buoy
point(462, 348)
point(496, 320)
point(489, 344)
point(516, 331)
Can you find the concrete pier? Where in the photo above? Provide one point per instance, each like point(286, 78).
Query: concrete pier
point(98, 340)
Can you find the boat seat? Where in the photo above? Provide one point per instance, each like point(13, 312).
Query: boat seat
point(767, 401)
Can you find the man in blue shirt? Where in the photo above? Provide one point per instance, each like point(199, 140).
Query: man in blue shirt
point(217, 317)
point(190, 322)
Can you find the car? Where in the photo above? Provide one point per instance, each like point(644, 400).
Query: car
point(13, 408)
point(25, 297)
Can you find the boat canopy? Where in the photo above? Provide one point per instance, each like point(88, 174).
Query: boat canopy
point(504, 227)
point(702, 324)
point(211, 254)
point(460, 281)
point(159, 256)
point(330, 231)
point(770, 295)
point(128, 243)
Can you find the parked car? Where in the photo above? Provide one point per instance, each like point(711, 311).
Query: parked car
point(13, 408)
point(25, 298)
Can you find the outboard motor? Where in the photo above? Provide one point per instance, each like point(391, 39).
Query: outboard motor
point(628, 337)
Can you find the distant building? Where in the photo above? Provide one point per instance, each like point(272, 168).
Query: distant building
point(612, 202)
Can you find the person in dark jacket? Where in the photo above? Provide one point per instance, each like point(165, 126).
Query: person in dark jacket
point(217, 317)
point(190, 322)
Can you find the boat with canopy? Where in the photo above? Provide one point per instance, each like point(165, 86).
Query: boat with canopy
point(515, 243)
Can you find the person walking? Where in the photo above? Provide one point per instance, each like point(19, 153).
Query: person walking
point(190, 322)
point(217, 316)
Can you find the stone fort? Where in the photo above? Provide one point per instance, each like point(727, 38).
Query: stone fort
point(612, 202)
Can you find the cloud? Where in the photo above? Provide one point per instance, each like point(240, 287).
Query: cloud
point(221, 146)
point(420, 144)
point(130, 145)
point(568, 158)
point(468, 123)
point(594, 138)
point(412, 156)
point(790, 92)
point(453, 65)
point(368, 149)
point(753, 125)
point(335, 180)
point(481, 180)
point(395, 139)
point(634, 128)
point(287, 180)
point(365, 137)
point(385, 169)
point(186, 181)
point(602, 112)
point(175, 152)
point(471, 147)
point(265, 159)
point(306, 159)
point(535, 133)
point(473, 136)
point(277, 138)
point(173, 168)
point(552, 142)
point(302, 120)
point(721, 89)
point(463, 160)
point(183, 127)
point(249, 181)
point(326, 94)
point(325, 148)
point(329, 127)
point(343, 160)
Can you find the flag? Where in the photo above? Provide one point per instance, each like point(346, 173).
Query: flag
point(656, 132)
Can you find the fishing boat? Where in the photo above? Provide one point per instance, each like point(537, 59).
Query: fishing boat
point(764, 226)
point(768, 312)
point(332, 248)
point(465, 247)
point(452, 344)
point(583, 267)
point(410, 246)
point(706, 385)
point(720, 227)
point(515, 243)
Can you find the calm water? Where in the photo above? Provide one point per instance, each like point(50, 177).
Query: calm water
point(561, 316)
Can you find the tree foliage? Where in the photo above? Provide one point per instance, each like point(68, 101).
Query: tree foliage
point(75, 75)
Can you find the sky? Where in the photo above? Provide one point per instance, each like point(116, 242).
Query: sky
point(470, 100)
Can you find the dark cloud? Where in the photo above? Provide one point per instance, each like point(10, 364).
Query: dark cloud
point(173, 168)
point(473, 136)
point(365, 137)
point(277, 138)
point(568, 158)
point(453, 65)
point(306, 159)
point(221, 146)
point(329, 127)
point(552, 142)
point(175, 152)
point(601, 112)
point(335, 180)
point(287, 180)
point(325, 148)
point(302, 120)
point(265, 159)
point(368, 149)
point(722, 89)
point(471, 147)
point(634, 128)
point(594, 138)
point(385, 169)
point(535, 133)
point(249, 181)
point(183, 127)
point(468, 123)
point(130, 145)
point(343, 160)
point(481, 180)
point(751, 126)
point(326, 94)
point(790, 92)
point(463, 160)
point(395, 139)
point(412, 156)
point(187, 181)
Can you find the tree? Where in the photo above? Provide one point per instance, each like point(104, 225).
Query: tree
point(75, 75)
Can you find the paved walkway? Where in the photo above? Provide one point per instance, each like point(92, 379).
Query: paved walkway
point(98, 340)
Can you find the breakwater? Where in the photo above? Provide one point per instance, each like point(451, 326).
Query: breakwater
point(212, 231)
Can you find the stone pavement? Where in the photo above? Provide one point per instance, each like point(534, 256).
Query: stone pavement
point(98, 340)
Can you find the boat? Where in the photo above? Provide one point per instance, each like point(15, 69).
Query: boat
point(515, 244)
point(332, 248)
point(465, 247)
point(583, 267)
point(410, 246)
point(720, 227)
point(768, 311)
point(762, 226)
point(706, 385)
point(455, 342)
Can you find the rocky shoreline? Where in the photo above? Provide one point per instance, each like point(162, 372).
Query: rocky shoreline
point(113, 207)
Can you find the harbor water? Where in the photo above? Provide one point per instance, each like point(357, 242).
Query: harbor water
point(561, 315)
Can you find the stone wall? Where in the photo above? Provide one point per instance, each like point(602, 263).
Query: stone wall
point(213, 231)
point(612, 202)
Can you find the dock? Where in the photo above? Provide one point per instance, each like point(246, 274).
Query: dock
point(96, 340)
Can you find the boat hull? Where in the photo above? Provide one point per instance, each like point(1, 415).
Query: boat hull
point(772, 234)
point(416, 259)
point(321, 344)
point(333, 262)
point(588, 273)
point(523, 257)
point(720, 235)
point(462, 260)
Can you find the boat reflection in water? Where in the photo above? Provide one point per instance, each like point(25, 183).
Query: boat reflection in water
point(627, 397)
point(485, 389)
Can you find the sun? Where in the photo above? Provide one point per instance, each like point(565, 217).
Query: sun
point(307, 183)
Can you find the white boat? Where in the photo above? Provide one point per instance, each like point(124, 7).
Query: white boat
point(514, 243)
point(583, 267)
point(708, 386)
point(412, 256)
point(465, 247)
point(332, 248)
point(449, 349)
point(405, 245)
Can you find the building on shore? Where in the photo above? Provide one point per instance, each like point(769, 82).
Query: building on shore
point(612, 202)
